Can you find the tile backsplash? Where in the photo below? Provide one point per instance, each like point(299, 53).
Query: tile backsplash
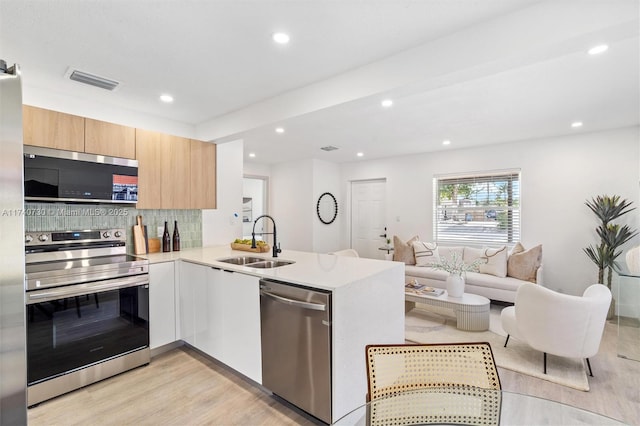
point(75, 217)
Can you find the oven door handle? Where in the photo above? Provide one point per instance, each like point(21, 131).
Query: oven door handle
point(87, 288)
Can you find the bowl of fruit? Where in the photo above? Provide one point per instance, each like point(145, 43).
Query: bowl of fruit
point(245, 245)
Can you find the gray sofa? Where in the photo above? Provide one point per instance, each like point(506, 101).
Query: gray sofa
point(485, 284)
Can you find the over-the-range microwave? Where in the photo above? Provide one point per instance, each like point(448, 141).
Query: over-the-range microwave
point(57, 175)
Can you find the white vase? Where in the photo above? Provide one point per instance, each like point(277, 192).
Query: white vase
point(455, 285)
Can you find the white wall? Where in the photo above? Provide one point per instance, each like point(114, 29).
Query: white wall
point(558, 175)
point(224, 224)
point(291, 198)
point(326, 178)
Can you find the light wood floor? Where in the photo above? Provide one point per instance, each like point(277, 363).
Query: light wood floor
point(181, 387)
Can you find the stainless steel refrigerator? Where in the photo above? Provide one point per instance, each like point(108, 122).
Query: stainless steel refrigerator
point(13, 366)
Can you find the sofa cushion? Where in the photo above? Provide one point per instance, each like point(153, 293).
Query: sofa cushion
point(426, 254)
point(496, 261)
point(446, 252)
point(523, 264)
point(403, 252)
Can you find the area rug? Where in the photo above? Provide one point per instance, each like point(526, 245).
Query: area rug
point(422, 326)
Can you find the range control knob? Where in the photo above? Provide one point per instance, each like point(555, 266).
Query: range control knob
point(117, 234)
point(43, 237)
point(28, 238)
point(106, 234)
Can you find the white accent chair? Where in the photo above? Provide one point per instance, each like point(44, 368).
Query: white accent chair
point(346, 252)
point(556, 323)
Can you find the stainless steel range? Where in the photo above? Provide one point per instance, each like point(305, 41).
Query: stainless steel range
point(87, 310)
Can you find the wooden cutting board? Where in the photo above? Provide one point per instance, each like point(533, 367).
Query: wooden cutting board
point(139, 245)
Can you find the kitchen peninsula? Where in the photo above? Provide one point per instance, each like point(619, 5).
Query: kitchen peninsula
point(217, 308)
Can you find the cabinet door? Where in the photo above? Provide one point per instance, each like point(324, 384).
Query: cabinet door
point(163, 171)
point(217, 323)
point(190, 301)
point(176, 173)
point(162, 304)
point(149, 146)
point(203, 175)
point(242, 346)
point(52, 129)
point(110, 139)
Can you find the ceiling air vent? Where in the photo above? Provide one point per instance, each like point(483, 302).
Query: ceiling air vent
point(329, 148)
point(93, 80)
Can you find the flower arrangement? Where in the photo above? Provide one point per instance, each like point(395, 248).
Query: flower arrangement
point(456, 265)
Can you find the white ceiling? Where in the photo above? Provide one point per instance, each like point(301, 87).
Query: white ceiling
point(474, 72)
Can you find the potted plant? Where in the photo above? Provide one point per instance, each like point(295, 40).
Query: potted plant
point(612, 236)
point(456, 267)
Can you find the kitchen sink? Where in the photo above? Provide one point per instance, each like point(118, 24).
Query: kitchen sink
point(242, 260)
point(270, 264)
point(256, 262)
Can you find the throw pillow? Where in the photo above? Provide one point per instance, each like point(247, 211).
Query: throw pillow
point(518, 248)
point(524, 265)
point(426, 254)
point(471, 254)
point(403, 252)
point(496, 261)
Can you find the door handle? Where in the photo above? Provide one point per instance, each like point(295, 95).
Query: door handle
point(296, 303)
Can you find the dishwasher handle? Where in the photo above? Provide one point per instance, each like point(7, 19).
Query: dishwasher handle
point(296, 303)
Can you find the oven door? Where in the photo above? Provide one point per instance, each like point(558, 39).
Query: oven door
point(72, 327)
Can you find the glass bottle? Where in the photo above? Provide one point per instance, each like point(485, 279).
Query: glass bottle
point(176, 237)
point(166, 239)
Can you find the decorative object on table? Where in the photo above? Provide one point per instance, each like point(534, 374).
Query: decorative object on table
point(540, 318)
point(245, 245)
point(456, 267)
point(417, 288)
point(166, 239)
point(633, 260)
point(176, 237)
point(139, 246)
point(327, 208)
point(155, 245)
point(612, 236)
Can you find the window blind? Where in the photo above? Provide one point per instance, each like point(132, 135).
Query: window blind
point(477, 209)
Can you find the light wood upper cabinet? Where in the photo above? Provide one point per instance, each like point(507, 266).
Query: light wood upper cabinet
point(163, 171)
point(203, 175)
point(110, 139)
point(176, 162)
point(52, 129)
point(149, 147)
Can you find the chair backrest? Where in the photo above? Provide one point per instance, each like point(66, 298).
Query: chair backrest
point(346, 252)
point(392, 369)
point(562, 324)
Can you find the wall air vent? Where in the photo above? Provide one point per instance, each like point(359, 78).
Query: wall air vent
point(329, 148)
point(93, 80)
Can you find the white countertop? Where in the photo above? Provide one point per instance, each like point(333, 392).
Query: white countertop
point(325, 271)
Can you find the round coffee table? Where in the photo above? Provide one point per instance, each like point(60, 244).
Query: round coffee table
point(471, 310)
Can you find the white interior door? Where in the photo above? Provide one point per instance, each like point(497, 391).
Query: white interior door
point(368, 217)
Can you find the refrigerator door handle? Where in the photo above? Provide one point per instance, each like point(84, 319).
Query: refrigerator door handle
point(296, 303)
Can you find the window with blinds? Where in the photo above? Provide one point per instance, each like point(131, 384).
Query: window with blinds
point(477, 209)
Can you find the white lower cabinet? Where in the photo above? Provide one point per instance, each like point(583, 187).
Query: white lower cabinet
point(220, 315)
point(162, 304)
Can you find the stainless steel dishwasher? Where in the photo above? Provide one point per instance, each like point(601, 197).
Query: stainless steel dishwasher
point(296, 345)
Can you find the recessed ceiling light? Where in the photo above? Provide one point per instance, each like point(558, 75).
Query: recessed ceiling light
point(252, 154)
point(279, 130)
point(166, 98)
point(446, 142)
point(387, 103)
point(601, 48)
point(281, 38)
point(360, 154)
point(576, 124)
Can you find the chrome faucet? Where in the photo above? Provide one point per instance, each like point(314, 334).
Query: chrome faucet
point(276, 247)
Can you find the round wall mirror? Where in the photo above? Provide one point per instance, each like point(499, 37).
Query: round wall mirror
point(327, 208)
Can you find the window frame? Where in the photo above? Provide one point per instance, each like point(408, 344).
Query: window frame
point(484, 227)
